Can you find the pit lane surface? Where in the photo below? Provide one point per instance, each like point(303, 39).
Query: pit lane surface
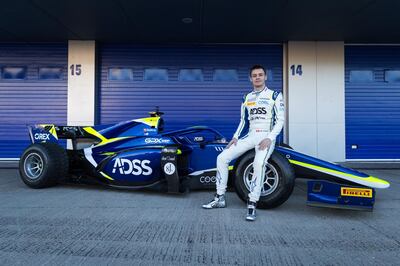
point(80, 224)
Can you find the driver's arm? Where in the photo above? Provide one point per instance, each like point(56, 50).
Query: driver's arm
point(244, 121)
point(279, 110)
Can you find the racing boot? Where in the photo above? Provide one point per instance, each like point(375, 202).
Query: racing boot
point(251, 211)
point(217, 202)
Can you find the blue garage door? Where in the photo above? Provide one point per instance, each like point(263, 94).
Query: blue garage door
point(33, 89)
point(372, 102)
point(193, 85)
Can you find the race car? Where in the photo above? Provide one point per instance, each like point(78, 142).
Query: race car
point(139, 154)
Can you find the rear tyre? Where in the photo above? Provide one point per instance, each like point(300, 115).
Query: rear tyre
point(278, 184)
point(43, 165)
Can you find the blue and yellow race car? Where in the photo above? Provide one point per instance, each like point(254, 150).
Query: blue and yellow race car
point(138, 154)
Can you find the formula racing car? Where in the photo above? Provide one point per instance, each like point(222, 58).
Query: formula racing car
point(139, 154)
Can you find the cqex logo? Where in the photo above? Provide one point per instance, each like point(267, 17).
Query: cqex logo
point(134, 167)
point(156, 141)
point(42, 136)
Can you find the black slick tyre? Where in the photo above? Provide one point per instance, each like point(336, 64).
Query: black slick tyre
point(43, 165)
point(280, 179)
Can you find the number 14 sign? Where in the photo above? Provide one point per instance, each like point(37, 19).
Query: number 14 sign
point(296, 70)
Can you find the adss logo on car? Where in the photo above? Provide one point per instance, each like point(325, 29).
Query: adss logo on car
point(134, 167)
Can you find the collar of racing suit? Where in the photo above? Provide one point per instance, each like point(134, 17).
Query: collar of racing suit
point(256, 92)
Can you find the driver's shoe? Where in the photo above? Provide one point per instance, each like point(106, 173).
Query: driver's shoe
point(251, 211)
point(217, 202)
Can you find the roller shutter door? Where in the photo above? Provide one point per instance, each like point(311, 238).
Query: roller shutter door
point(33, 89)
point(372, 102)
point(193, 85)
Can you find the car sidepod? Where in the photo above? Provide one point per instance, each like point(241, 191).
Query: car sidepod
point(130, 162)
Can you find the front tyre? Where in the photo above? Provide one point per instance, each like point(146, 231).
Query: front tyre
point(43, 165)
point(278, 183)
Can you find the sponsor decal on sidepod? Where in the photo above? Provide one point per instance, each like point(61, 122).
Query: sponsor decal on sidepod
point(134, 167)
point(169, 168)
point(207, 179)
point(156, 140)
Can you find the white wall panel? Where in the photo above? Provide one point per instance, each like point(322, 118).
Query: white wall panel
point(81, 83)
point(316, 99)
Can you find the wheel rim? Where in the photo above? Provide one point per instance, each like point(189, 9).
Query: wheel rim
point(33, 166)
point(271, 179)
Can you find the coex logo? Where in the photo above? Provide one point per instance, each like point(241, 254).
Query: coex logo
point(42, 136)
point(207, 179)
point(258, 111)
point(356, 192)
point(134, 167)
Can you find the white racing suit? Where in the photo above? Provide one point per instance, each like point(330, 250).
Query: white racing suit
point(262, 113)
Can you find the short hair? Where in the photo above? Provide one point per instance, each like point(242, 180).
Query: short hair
point(257, 67)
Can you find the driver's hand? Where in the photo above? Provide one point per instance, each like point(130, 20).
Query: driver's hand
point(264, 144)
point(233, 141)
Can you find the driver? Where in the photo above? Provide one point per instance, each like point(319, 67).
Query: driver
point(262, 113)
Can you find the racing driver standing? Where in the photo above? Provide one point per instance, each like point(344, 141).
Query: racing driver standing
point(262, 113)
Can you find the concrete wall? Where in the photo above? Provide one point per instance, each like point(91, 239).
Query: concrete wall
point(81, 83)
point(316, 99)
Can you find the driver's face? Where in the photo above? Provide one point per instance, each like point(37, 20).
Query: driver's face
point(258, 78)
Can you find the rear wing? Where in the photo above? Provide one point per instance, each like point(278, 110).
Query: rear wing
point(148, 126)
point(52, 133)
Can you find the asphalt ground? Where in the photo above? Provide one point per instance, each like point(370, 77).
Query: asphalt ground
point(91, 225)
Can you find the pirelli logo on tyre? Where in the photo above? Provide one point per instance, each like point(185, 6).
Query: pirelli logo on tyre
point(356, 192)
